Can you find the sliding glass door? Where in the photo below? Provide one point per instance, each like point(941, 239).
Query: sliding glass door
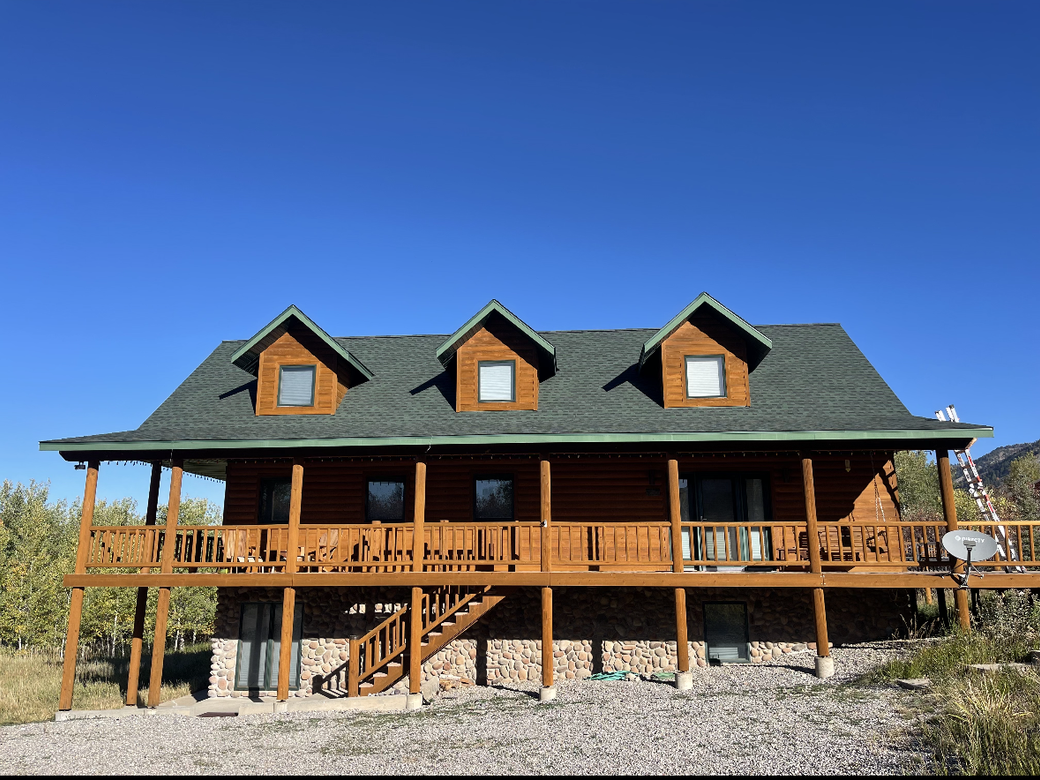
point(733, 509)
point(259, 647)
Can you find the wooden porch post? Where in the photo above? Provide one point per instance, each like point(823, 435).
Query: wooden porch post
point(824, 663)
point(415, 643)
point(683, 680)
point(942, 461)
point(289, 595)
point(548, 692)
point(136, 642)
point(419, 518)
point(546, 495)
point(68, 676)
point(162, 609)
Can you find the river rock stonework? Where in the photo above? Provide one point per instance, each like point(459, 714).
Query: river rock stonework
point(595, 630)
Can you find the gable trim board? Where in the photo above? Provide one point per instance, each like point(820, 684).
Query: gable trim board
point(247, 357)
point(446, 351)
point(756, 338)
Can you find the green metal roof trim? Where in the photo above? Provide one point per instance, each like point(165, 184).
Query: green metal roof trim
point(447, 350)
point(563, 438)
point(762, 343)
point(248, 355)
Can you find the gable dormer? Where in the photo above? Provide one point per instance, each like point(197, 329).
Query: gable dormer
point(300, 369)
point(498, 360)
point(705, 353)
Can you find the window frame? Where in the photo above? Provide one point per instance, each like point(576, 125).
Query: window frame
point(404, 496)
point(746, 659)
point(264, 482)
point(686, 377)
point(512, 380)
point(512, 507)
point(314, 385)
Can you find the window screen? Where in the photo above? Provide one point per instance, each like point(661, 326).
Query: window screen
point(385, 500)
point(296, 385)
point(274, 500)
point(494, 498)
point(496, 381)
point(726, 631)
point(259, 647)
point(705, 376)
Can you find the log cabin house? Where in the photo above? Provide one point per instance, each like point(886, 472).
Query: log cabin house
point(508, 504)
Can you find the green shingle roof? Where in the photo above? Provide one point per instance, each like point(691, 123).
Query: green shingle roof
point(813, 384)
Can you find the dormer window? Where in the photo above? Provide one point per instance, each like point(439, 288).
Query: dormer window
point(705, 355)
point(497, 381)
point(705, 376)
point(296, 385)
point(299, 368)
point(498, 362)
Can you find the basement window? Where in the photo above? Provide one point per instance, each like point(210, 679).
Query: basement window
point(705, 376)
point(497, 381)
point(296, 385)
point(726, 632)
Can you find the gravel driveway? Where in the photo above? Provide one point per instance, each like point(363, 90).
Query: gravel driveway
point(769, 719)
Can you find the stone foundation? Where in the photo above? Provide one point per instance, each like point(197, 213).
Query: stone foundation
point(595, 630)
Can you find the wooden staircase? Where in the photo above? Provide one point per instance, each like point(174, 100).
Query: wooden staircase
point(380, 658)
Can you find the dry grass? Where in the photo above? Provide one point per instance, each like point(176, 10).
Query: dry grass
point(30, 682)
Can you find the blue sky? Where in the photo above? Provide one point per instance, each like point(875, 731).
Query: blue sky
point(175, 174)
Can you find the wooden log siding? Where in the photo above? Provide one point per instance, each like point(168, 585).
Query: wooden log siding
point(497, 340)
point(704, 334)
point(300, 347)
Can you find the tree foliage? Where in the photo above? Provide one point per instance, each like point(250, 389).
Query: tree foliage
point(38, 541)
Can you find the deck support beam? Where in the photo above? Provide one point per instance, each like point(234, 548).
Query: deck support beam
point(137, 640)
point(824, 662)
point(548, 692)
point(68, 675)
point(415, 643)
point(162, 609)
point(289, 594)
point(942, 462)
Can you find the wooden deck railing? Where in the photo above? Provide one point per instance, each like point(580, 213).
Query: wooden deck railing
point(1022, 538)
point(641, 546)
point(465, 546)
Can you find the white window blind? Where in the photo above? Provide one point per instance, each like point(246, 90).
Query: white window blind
point(496, 382)
point(705, 376)
point(296, 386)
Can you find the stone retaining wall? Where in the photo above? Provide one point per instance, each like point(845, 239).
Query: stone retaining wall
point(595, 630)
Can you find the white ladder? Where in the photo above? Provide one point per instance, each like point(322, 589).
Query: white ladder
point(978, 491)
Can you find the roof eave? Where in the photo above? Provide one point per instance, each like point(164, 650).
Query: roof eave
point(676, 437)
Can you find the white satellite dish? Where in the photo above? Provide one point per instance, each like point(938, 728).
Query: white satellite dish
point(969, 545)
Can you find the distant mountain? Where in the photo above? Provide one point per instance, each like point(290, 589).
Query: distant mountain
point(993, 466)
